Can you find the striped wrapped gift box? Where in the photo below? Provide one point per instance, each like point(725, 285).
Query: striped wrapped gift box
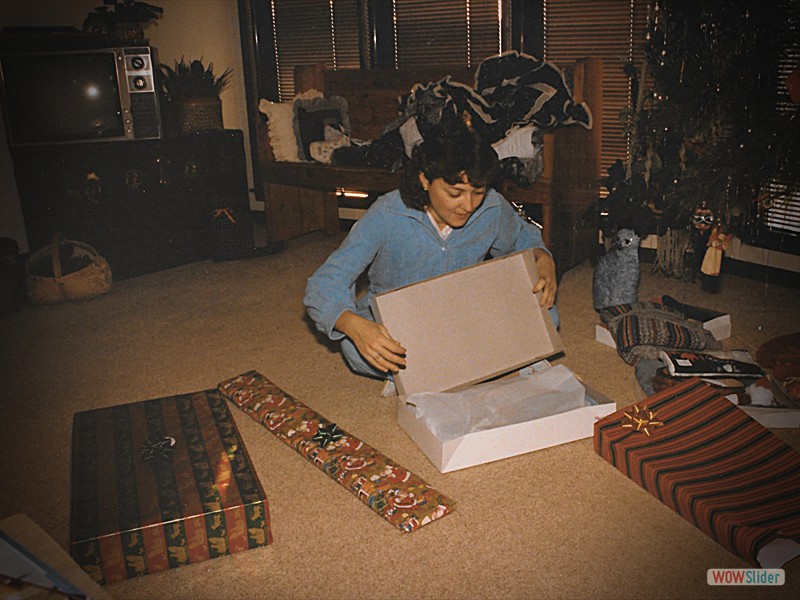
point(705, 458)
point(160, 484)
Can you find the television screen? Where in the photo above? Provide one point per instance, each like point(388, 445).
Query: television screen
point(62, 97)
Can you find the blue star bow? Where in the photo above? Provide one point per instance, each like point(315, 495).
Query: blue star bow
point(327, 435)
point(157, 447)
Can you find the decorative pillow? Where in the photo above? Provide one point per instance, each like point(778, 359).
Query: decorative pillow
point(281, 132)
point(311, 116)
point(280, 124)
point(322, 151)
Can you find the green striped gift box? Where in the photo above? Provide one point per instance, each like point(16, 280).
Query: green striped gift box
point(160, 484)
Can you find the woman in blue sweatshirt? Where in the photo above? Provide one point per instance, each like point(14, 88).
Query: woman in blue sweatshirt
point(444, 217)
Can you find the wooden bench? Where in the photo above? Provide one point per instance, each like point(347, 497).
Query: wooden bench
point(302, 197)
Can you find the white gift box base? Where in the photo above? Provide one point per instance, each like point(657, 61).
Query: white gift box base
point(603, 335)
point(468, 326)
point(503, 442)
point(720, 327)
point(771, 417)
point(774, 417)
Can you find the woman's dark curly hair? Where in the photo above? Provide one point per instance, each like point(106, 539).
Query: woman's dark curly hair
point(451, 150)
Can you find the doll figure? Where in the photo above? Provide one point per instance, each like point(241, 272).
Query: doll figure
point(718, 242)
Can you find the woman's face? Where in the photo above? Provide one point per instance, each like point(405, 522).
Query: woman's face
point(452, 204)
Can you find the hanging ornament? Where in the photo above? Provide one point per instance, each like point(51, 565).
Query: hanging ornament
point(793, 85)
point(703, 217)
point(765, 201)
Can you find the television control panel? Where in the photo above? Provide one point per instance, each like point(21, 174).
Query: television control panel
point(140, 107)
point(139, 71)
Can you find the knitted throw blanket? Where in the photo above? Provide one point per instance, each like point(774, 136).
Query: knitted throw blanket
point(643, 329)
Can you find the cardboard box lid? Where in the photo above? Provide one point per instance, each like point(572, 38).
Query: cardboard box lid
point(469, 325)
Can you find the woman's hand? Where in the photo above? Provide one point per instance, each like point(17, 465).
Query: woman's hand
point(373, 342)
point(546, 284)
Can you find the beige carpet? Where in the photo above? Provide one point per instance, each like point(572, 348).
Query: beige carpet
point(558, 523)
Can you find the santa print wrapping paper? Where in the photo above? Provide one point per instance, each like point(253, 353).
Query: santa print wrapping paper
point(705, 458)
point(389, 489)
point(160, 484)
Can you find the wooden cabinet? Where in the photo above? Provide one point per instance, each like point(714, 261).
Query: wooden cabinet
point(144, 205)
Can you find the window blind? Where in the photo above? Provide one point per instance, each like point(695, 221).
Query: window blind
point(313, 31)
point(460, 32)
point(613, 30)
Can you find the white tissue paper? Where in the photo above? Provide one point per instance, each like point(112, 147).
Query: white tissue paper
point(537, 392)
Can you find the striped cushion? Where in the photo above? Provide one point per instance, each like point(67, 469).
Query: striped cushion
point(711, 463)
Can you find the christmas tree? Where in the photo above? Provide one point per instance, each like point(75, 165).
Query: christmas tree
point(714, 134)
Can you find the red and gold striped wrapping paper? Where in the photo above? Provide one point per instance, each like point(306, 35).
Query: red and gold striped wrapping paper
point(132, 516)
point(392, 491)
point(711, 463)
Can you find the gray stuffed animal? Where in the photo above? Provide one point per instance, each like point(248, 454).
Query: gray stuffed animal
point(616, 276)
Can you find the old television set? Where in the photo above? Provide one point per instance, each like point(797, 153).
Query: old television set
point(70, 96)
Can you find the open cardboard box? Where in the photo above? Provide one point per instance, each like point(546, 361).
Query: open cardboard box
point(466, 327)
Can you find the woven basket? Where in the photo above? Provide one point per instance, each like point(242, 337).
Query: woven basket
point(93, 279)
point(200, 114)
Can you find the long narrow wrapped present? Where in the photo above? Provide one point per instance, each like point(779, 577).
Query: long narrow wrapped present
point(392, 491)
point(713, 464)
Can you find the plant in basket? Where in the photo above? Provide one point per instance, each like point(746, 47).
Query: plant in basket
point(122, 20)
point(193, 91)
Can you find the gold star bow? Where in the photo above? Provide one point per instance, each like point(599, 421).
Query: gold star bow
point(641, 419)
